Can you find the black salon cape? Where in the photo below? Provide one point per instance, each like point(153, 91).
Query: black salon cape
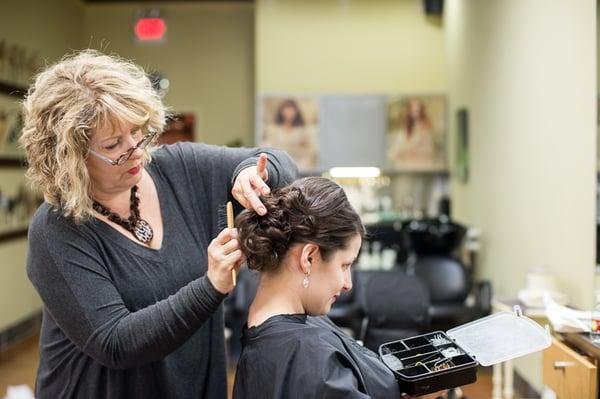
point(295, 356)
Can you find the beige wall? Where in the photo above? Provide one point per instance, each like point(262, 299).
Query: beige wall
point(526, 70)
point(598, 93)
point(50, 27)
point(532, 116)
point(387, 46)
point(208, 56)
point(358, 46)
point(348, 46)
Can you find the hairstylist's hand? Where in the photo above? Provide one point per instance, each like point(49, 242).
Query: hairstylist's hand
point(224, 254)
point(249, 183)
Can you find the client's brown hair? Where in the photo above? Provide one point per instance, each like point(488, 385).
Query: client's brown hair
point(310, 210)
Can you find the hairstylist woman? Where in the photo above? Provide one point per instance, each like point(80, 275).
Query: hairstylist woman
point(120, 251)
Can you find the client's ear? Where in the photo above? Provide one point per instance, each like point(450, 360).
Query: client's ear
point(308, 255)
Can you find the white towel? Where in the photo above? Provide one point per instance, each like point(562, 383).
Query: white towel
point(565, 319)
point(19, 392)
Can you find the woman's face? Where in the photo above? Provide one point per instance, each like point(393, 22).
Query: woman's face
point(111, 141)
point(415, 108)
point(329, 278)
point(289, 113)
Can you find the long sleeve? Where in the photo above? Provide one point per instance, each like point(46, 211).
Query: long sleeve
point(127, 320)
point(282, 170)
point(210, 171)
point(209, 164)
point(79, 292)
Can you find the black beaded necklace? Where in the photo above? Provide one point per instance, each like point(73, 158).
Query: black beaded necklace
point(140, 229)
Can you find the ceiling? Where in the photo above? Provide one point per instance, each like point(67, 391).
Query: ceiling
point(155, 2)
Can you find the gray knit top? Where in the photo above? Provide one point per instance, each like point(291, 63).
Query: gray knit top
point(121, 320)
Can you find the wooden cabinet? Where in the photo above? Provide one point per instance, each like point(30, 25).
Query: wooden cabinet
point(569, 374)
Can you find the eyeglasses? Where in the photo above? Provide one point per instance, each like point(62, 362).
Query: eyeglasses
point(124, 157)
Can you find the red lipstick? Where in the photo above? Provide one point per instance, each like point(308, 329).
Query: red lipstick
point(134, 171)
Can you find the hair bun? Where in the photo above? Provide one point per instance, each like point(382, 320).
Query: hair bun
point(265, 239)
point(310, 210)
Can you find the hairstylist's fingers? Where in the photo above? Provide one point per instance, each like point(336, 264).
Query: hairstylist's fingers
point(225, 236)
point(261, 166)
point(233, 258)
point(238, 194)
point(260, 185)
point(220, 265)
point(252, 198)
point(230, 246)
point(239, 263)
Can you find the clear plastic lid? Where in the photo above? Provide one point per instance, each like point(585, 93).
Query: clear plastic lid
point(500, 337)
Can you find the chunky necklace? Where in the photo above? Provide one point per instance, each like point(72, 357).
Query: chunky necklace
point(140, 229)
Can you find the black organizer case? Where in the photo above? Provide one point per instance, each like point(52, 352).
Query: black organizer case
point(428, 363)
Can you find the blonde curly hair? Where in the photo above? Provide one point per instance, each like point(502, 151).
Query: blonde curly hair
point(68, 102)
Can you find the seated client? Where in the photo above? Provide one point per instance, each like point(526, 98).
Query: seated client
point(303, 248)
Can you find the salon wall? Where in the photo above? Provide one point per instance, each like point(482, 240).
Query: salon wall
point(348, 47)
point(526, 71)
point(597, 52)
point(208, 56)
point(50, 28)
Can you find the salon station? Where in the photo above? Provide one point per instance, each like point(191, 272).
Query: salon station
point(463, 133)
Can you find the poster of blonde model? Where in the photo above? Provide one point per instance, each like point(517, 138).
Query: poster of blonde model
point(416, 134)
point(290, 122)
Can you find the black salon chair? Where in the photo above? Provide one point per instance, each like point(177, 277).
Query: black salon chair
point(455, 298)
point(449, 285)
point(395, 304)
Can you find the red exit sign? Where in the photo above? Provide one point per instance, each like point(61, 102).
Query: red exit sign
point(150, 29)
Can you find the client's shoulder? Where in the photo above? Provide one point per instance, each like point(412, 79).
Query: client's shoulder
point(320, 334)
point(293, 331)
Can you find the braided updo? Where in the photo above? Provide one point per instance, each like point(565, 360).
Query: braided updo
point(310, 210)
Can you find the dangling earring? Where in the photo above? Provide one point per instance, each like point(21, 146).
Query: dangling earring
point(305, 281)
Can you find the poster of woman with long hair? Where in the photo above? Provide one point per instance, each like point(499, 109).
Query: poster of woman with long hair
point(290, 123)
point(416, 138)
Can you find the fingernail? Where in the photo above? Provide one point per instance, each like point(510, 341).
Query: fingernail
point(234, 233)
point(262, 210)
point(266, 191)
